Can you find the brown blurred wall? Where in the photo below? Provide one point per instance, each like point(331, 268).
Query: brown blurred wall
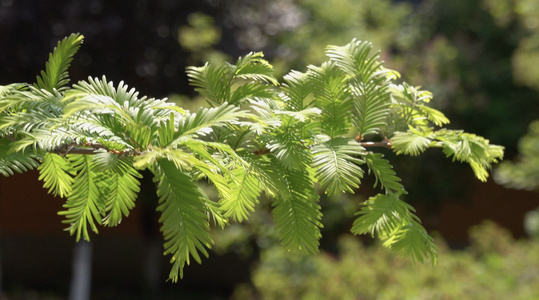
point(34, 246)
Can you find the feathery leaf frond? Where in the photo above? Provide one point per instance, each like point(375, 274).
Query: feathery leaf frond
point(297, 217)
point(11, 162)
point(384, 173)
point(475, 150)
point(413, 241)
point(211, 81)
point(185, 224)
point(56, 173)
point(36, 119)
point(409, 143)
point(48, 140)
point(410, 105)
point(289, 150)
point(368, 86)
point(269, 176)
point(6, 90)
point(394, 222)
point(297, 87)
point(84, 204)
point(253, 67)
point(337, 165)
point(201, 123)
point(250, 78)
point(244, 194)
point(118, 182)
point(55, 75)
point(332, 96)
point(381, 215)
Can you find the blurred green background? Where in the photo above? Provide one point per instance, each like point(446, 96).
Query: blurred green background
point(480, 58)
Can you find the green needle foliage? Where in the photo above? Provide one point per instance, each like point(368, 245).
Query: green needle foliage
point(523, 172)
point(315, 130)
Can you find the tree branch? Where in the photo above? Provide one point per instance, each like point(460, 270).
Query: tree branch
point(384, 144)
point(89, 149)
point(10, 137)
point(75, 148)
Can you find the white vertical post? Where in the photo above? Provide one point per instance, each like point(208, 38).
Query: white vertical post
point(152, 265)
point(0, 275)
point(81, 278)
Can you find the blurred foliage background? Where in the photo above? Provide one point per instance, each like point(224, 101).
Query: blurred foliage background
point(478, 57)
point(495, 266)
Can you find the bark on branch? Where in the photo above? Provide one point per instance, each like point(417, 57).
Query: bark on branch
point(89, 149)
point(79, 149)
point(384, 144)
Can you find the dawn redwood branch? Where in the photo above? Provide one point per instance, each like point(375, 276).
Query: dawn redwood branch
point(90, 149)
point(383, 144)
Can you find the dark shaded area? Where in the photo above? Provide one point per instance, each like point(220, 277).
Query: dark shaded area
point(37, 254)
point(135, 42)
point(118, 270)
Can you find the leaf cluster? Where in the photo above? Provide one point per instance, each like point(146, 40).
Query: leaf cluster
point(314, 131)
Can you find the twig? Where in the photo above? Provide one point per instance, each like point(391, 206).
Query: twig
point(11, 138)
point(384, 144)
point(75, 148)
